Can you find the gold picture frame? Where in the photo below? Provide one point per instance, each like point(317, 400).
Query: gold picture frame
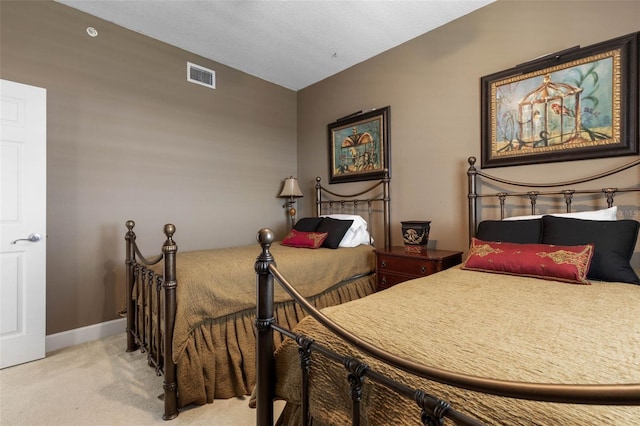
point(577, 104)
point(359, 146)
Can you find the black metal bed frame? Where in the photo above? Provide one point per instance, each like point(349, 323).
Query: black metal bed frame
point(433, 410)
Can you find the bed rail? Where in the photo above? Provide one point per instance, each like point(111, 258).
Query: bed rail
point(545, 189)
point(351, 203)
point(149, 292)
point(435, 410)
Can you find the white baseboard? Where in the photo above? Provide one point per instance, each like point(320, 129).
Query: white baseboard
point(54, 342)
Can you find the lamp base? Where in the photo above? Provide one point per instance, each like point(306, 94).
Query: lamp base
point(291, 211)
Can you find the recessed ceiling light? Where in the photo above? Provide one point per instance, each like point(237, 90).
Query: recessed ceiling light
point(92, 32)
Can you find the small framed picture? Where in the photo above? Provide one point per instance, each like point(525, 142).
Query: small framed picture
point(359, 146)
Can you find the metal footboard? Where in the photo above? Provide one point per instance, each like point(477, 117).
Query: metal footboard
point(433, 411)
point(430, 409)
point(151, 310)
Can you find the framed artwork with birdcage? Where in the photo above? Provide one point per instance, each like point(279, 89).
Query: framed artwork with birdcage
point(359, 146)
point(577, 104)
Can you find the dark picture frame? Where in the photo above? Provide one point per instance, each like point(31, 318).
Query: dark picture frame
point(577, 104)
point(359, 146)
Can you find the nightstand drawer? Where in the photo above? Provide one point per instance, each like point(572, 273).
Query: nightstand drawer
point(414, 267)
point(386, 280)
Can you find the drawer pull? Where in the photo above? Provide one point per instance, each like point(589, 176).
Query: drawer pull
point(383, 263)
point(384, 279)
point(423, 269)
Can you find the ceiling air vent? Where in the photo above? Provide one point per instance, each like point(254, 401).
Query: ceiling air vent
point(201, 75)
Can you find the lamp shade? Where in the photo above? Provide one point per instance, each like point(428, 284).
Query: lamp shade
point(291, 188)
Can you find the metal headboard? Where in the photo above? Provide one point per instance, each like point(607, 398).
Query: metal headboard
point(352, 204)
point(537, 189)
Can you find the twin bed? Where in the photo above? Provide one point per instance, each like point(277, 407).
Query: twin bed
point(193, 312)
point(539, 326)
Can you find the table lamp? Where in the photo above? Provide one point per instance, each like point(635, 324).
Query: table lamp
point(290, 191)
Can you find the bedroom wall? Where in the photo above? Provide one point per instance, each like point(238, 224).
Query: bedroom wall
point(122, 121)
point(129, 138)
point(432, 84)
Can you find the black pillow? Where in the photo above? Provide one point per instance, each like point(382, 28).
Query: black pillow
point(336, 229)
point(527, 231)
point(307, 224)
point(614, 242)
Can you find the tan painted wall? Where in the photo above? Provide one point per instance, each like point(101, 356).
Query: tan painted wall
point(432, 84)
point(122, 120)
point(129, 138)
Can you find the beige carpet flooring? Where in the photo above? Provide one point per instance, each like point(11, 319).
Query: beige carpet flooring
point(98, 383)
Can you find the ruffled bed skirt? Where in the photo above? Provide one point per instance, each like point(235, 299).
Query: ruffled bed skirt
point(220, 358)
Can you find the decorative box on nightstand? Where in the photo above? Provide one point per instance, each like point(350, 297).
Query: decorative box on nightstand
point(397, 265)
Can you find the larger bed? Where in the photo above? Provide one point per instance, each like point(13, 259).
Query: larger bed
point(486, 342)
point(193, 312)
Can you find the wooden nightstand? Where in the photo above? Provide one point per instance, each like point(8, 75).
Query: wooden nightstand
point(397, 265)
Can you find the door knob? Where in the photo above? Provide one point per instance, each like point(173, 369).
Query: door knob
point(33, 238)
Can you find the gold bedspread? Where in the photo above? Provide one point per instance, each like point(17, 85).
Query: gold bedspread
point(505, 327)
point(220, 282)
point(214, 339)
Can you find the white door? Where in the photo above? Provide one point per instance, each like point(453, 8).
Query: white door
point(23, 174)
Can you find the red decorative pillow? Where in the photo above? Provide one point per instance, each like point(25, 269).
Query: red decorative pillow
point(304, 239)
point(551, 262)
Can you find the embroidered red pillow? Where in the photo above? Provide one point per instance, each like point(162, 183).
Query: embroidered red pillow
point(552, 262)
point(304, 239)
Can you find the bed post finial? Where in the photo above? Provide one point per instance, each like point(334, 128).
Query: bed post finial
point(265, 236)
point(169, 230)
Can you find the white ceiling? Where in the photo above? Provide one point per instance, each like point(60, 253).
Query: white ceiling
point(292, 43)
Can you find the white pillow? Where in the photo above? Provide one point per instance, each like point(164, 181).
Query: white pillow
point(356, 234)
point(604, 214)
